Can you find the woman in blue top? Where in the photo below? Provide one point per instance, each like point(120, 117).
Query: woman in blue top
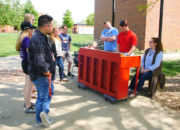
point(22, 47)
point(149, 64)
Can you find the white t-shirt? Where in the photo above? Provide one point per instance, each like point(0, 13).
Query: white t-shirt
point(58, 47)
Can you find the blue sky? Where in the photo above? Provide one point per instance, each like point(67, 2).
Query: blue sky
point(80, 8)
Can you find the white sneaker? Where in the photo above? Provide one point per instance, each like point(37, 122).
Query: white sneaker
point(39, 124)
point(45, 119)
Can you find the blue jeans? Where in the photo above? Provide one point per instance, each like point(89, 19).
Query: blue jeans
point(142, 79)
point(59, 62)
point(43, 100)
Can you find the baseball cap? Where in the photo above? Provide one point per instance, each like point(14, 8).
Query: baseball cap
point(27, 25)
point(123, 23)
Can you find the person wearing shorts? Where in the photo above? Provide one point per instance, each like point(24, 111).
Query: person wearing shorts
point(66, 47)
point(31, 18)
point(22, 47)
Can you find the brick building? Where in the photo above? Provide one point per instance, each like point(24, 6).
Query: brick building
point(82, 29)
point(7, 29)
point(145, 26)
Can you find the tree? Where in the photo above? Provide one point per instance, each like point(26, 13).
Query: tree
point(17, 15)
point(67, 19)
point(55, 23)
point(12, 12)
point(90, 19)
point(5, 13)
point(147, 7)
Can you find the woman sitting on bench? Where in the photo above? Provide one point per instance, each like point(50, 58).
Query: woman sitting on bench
point(151, 62)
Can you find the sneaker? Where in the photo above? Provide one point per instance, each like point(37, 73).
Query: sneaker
point(39, 124)
point(30, 110)
point(32, 104)
point(132, 95)
point(130, 91)
point(70, 74)
point(45, 119)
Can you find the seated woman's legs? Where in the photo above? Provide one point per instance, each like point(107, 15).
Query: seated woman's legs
point(132, 84)
point(142, 79)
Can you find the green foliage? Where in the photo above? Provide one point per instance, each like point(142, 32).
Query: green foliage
point(67, 19)
point(12, 12)
point(5, 13)
point(90, 19)
point(55, 23)
point(17, 15)
point(69, 31)
point(147, 7)
point(29, 8)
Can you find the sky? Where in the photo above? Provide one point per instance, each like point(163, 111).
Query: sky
point(56, 8)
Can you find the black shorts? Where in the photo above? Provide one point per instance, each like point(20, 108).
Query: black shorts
point(24, 65)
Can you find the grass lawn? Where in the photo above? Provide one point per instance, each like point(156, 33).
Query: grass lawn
point(171, 68)
point(8, 42)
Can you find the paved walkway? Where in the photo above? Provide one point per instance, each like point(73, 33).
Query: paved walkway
point(171, 56)
point(76, 109)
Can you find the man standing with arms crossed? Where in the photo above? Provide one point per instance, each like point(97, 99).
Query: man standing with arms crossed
point(109, 36)
point(41, 67)
point(127, 40)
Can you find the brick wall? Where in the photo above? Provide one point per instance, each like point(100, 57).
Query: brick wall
point(127, 9)
point(145, 26)
point(171, 24)
point(103, 12)
point(7, 29)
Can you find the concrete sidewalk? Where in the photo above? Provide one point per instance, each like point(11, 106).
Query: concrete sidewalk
point(171, 56)
point(76, 109)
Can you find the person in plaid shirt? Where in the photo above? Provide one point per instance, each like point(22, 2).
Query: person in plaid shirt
point(40, 68)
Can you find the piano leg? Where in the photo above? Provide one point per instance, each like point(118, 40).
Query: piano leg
point(137, 75)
